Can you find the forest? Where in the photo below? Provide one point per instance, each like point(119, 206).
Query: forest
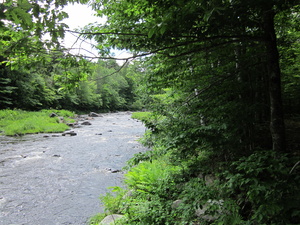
point(58, 83)
point(219, 79)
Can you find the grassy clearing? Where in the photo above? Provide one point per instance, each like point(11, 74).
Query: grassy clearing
point(18, 122)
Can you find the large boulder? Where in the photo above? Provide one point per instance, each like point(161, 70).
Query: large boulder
point(110, 219)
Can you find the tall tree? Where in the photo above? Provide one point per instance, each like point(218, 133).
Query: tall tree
point(189, 29)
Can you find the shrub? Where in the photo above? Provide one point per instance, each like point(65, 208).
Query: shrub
point(264, 189)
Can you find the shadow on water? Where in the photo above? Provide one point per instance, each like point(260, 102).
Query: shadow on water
point(54, 179)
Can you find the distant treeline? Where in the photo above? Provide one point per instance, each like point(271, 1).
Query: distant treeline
point(101, 86)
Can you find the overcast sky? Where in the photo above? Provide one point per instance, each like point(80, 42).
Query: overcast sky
point(79, 16)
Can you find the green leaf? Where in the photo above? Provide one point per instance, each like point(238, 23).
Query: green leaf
point(207, 15)
point(151, 32)
point(163, 29)
point(36, 10)
point(21, 17)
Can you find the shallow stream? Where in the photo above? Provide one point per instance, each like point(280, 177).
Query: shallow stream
point(57, 180)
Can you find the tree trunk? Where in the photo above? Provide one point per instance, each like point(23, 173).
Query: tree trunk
point(277, 127)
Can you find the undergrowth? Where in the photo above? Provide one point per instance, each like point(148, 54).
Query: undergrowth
point(260, 188)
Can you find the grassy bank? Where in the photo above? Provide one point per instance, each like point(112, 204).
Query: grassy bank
point(19, 122)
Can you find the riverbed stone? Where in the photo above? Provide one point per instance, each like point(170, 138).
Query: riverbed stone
point(93, 114)
point(72, 124)
point(113, 170)
point(53, 115)
point(86, 123)
point(110, 219)
point(69, 133)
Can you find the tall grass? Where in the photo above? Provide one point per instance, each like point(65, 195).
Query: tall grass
point(18, 122)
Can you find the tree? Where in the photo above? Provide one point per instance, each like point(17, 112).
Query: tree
point(184, 30)
point(213, 76)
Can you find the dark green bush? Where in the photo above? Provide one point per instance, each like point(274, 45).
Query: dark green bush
point(264, 188)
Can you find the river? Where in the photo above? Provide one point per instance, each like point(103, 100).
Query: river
point(57, 180)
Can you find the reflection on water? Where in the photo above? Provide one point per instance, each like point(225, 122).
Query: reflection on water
point(57, 180)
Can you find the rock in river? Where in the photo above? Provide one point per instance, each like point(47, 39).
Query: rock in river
point(93, 114)
point(86, 123)
point(69, 133)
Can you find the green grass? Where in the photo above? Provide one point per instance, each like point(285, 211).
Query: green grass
point(18, 122)
point(141, 115)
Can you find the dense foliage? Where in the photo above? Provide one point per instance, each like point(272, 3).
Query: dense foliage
point(37, 72)
point(103, 88)
point(220, 75)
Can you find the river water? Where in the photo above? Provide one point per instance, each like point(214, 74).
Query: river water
point(57, 180)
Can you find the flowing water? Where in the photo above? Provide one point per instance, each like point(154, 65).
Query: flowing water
point(57, 180)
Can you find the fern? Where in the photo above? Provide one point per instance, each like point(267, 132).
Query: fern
point(146, 177)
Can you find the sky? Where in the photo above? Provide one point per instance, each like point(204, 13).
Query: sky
point(79, 16)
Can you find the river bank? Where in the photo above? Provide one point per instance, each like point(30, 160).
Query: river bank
point(58, 179)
